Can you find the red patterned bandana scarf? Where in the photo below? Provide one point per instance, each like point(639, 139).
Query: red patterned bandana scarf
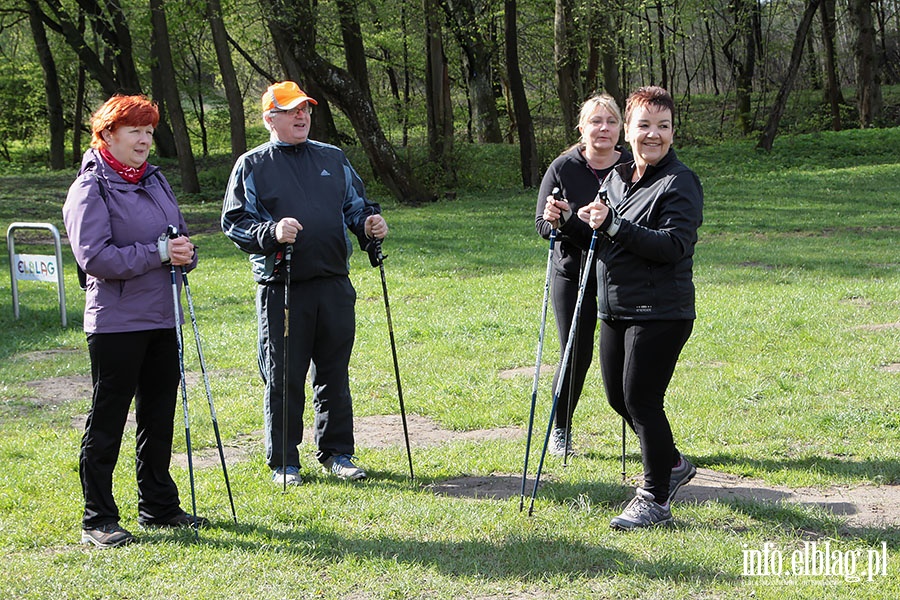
point(129, 174)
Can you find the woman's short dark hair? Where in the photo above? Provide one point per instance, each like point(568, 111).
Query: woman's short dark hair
point(651, 95)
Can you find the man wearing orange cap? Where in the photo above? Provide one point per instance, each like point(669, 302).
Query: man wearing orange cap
point(303, 194)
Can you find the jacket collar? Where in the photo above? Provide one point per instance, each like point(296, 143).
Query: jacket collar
point(626, 170)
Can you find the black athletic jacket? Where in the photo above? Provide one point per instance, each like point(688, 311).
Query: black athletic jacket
point(578, 184)
point(645, 270)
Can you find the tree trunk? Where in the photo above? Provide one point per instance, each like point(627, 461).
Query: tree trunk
point(161, 50)
point(478, 47)
point(437, 95)
point(744, 66)
point(354, 53)
point(162, 136)
point(712, 56)
point(51, 87)
point(868, 83)
point(592, 67)
point(768, 135)
point(289, 22)
point(661, 40)
point(75, 38)
point(77, 117)
point(119, 40)
point(609, 57)
point(528, 156)
point(322, 127)
point(236, 115)
point(565, 57)
point(833, 95)
point(120, 76)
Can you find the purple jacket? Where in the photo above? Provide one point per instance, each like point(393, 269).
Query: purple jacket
point(113, 232)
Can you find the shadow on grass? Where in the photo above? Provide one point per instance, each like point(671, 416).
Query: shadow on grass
point(529, 557)
point(885, 471)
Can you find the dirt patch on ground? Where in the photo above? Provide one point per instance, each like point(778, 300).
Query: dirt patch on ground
point(53, 391)
point(860, 506)
point(381, 431)
point(878, 326)
point(864, 506)
point(497, 486)
point(519, 371)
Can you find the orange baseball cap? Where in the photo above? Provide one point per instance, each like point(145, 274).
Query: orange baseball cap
point(284, 95)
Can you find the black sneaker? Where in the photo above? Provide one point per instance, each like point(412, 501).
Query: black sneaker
point(560, 442)
point(683, 472)
point(642, 511)
point(182, 520)
point(106, 536)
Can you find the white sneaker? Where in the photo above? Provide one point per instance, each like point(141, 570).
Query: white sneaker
point(342, 467)
point(560, 442)
point(289, 475)
point(642, 511)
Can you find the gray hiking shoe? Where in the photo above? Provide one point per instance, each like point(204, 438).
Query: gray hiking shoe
point(642, 511)
point(342, 467)
point(289, 475)
point(106, 536)
point(683, 472)
point(560, 442)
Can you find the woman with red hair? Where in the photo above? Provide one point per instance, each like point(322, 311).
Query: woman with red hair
point(117, 214)
point(646, 303)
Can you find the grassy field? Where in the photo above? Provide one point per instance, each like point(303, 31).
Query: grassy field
point(789, 378)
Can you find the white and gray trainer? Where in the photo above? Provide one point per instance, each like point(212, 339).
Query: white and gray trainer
point(642, 511)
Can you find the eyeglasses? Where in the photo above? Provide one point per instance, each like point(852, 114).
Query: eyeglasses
point(307, 108)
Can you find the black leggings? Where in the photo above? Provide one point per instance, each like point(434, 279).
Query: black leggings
point(565, 296)
point(637, 359)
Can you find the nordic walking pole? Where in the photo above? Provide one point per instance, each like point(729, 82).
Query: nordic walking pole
point(623, 449)
point(569, 342)
point(571, 395)
point(212, 408)
point(379, 258)
point(173, 233)
point(537, 362)
point(288, 253)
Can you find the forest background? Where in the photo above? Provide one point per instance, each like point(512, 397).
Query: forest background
point(413, 84)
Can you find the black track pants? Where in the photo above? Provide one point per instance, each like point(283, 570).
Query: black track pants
point(321, 335)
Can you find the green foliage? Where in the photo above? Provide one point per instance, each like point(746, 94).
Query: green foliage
point(22, 107)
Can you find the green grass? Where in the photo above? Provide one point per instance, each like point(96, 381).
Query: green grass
point(784, 380)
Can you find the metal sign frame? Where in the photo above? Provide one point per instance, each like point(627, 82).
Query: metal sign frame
point(60, 283)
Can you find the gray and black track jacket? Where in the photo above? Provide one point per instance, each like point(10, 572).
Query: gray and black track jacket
point(312, 182)
point(645, 270)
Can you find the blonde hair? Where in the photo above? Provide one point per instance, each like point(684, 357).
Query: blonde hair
point(602, 100)
point(599, 100)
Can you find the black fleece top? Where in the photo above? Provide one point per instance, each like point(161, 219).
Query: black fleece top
point(645, 271)
point(578, 184)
